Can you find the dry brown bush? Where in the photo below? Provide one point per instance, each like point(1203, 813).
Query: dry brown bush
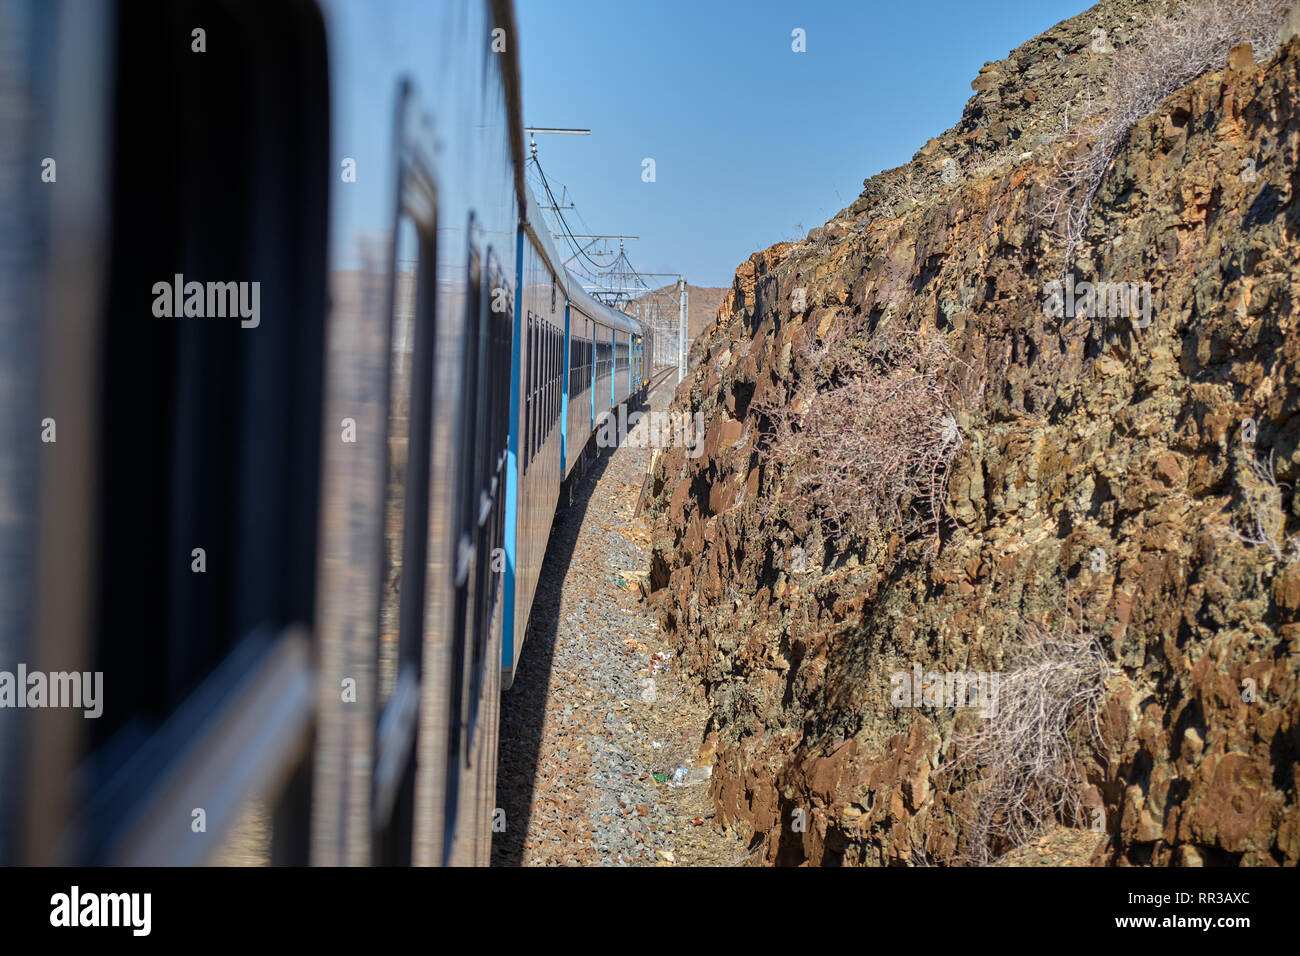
point(870, 439)
point(1172, 51)
point(1265, 523)
point(1030, 747)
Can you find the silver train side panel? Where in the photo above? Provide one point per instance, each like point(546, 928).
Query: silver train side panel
point(441, 51)
point(55, 96)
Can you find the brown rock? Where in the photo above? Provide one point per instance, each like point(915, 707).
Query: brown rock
point(1241, 58)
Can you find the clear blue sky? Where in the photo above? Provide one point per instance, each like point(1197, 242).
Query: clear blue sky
point(753, 143)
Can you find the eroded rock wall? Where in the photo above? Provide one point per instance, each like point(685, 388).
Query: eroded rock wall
point(1100, 465)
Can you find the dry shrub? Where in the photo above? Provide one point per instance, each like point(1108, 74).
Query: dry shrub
point(1172, 51)
point(873, 438)
point(1030, 746)
point(1266, 518)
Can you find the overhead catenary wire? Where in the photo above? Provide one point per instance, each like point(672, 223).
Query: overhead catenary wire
point(621, 267)
point(559, 214)
point(617, 283)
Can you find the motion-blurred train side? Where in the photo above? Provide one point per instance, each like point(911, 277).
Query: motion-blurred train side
point(300, 546)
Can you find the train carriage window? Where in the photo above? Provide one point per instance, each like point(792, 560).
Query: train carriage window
point(541, 385)
point(230, 460)
point(529, 361)
point(526, 331)
point(405, 514)
point(489, 524)
point(539, 375)
point(540, 413)
point(539, 356)
point(546, 382)
point(577, 366)
point(544, 343)
point(535, 423)
point(537, 386)
point(532, 409)
point(467, 623)
point(401, 354)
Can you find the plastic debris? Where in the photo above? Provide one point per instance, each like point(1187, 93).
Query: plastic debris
point(687, 777)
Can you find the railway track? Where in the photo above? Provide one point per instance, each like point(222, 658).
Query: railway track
point(597, 709)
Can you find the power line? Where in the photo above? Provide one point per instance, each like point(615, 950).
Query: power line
point(618, 284)
point(559, 213)
point(621, 268)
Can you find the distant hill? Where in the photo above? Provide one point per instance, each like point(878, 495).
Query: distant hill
point(702, 305)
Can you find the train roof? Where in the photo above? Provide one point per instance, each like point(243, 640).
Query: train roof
point(588, 304)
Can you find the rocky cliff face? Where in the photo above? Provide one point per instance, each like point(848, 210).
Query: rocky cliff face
point(1108, 477)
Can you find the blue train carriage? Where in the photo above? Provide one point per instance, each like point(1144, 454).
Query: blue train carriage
point(412, 525)
point(285, 585)
point(571, 363)
point(378, 452)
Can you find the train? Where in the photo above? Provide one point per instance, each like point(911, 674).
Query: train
point(294, 379)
